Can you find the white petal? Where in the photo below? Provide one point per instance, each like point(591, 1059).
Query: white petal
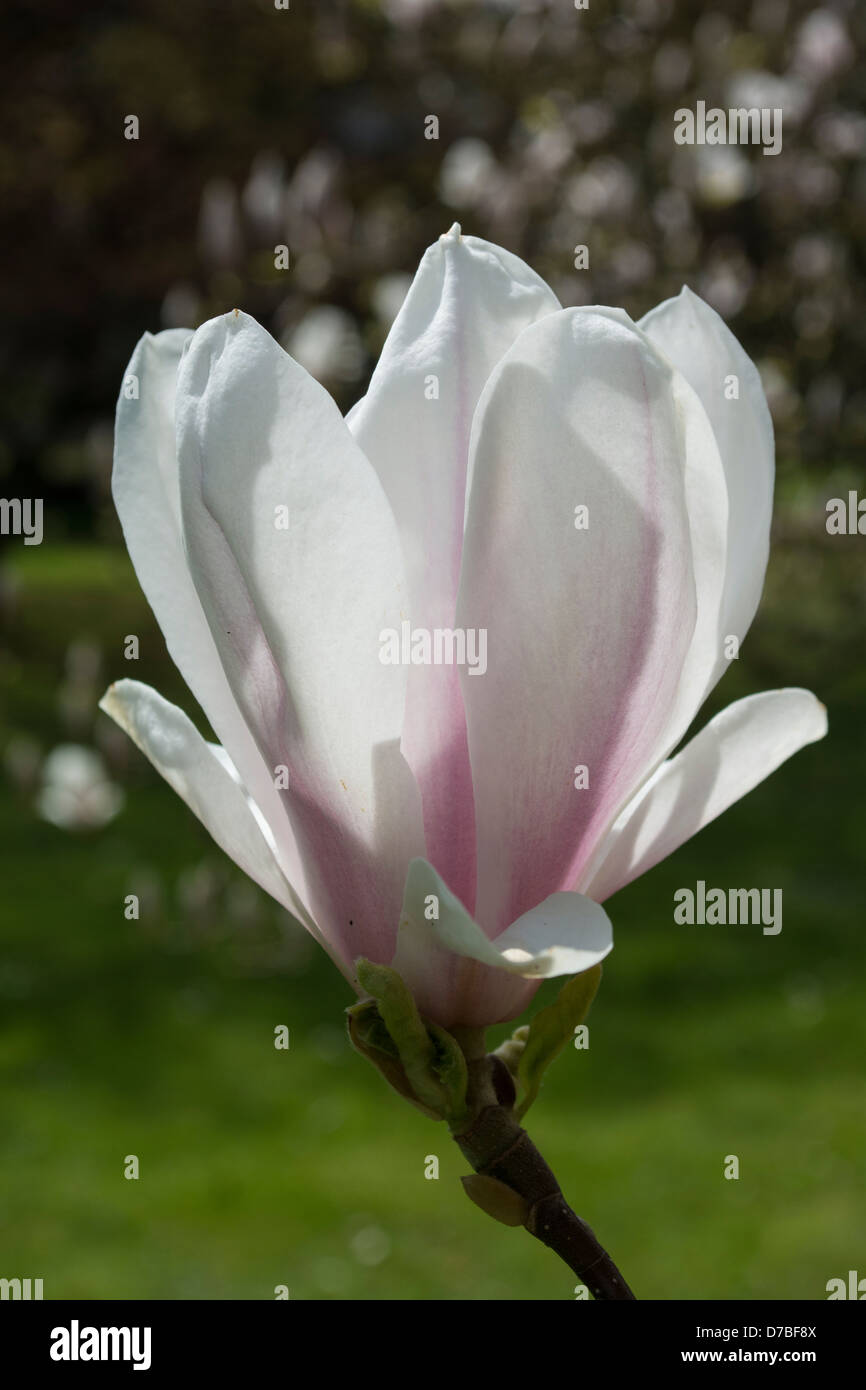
point(702, 347)
point(296, 612)
point(707, 506)
point(587, 629)
point(729, 491)
point(467, 304)
point(146, 494)
point(563, 935)
point(736, 751)
point(198, 773)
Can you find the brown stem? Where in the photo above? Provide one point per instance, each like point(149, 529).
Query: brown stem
point(497, 1147)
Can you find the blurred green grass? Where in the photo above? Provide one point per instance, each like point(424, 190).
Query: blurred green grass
point(261, 1167)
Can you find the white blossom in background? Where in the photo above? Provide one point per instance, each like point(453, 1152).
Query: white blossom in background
point(219, 227)
point(823, 46)
point(327, 343)
point(723, 175)
point(263, 194)
point(468, 172)
point(388, 295)
point(77, 792)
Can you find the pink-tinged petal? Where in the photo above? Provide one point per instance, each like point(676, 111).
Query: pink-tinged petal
point(297, 563)
point(467, 304)
point(707, 506)
point(459, 976)
point(587, 629)
point(701, 346)
point(736, 751)
point(146, 494)
point(200, 775)
point(729, 492)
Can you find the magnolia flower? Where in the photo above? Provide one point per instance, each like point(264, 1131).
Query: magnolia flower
point(591, 494)
point(77, 792)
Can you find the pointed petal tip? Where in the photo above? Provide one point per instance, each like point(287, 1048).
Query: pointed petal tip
point(119, 686)
point(815, 722)
point(109, 699)
point(741, 746)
